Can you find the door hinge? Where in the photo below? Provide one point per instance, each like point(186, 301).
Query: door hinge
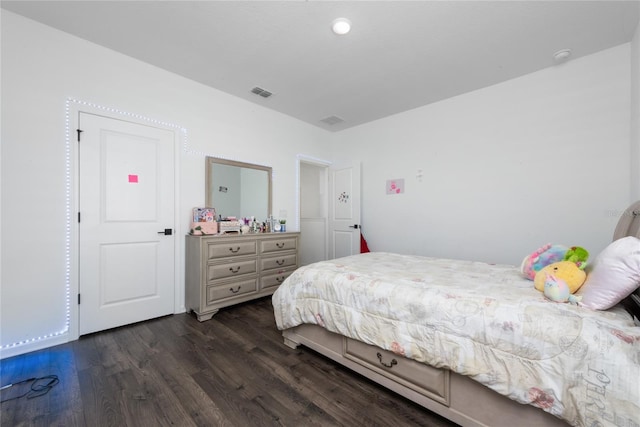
point(78, 299)
point(78, 216)
point(79, 132)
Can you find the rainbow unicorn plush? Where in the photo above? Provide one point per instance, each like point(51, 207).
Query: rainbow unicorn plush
point(557, 290)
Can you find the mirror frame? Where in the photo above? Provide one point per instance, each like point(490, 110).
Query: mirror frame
point(211, 161)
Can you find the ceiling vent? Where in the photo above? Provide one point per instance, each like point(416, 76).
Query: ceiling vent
point(259, 91)
point(332, 120)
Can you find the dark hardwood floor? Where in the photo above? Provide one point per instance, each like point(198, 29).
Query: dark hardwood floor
point(233, 370)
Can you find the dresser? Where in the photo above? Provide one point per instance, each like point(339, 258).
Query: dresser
point(222, 270)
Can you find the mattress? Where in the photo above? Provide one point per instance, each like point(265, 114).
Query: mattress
point(480, 320)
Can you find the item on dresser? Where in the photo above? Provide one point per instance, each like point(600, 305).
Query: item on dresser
point(230, 226)
point(224, 270)
point(203, 228)
point(204, 214)
point(203, 222)
point(271, 223)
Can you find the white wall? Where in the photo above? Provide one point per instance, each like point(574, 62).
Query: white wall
point(541, 158)
point(41, 67)
point(635, 115)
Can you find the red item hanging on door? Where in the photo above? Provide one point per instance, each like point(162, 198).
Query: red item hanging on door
point(364, 248)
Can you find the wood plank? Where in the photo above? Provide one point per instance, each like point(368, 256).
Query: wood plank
point(100, 401)
point(33, 365)
point(135, 400)
point(197, 404)
point(65, 402)
point(142, 349)
point(239, 410)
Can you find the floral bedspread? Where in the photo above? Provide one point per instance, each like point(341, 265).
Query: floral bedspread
point(480, 320)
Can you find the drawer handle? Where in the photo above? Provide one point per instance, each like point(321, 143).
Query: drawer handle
point(280, 279)
point(388, 365)
point(280, 261)
point(236, 291)
point(280, 245)
point(236, 250)
point(234, 271)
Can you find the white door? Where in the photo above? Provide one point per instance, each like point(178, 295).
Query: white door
point(344, 211)
point(126, 180)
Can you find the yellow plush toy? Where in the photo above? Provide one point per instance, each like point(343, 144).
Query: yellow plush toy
point(567, 271)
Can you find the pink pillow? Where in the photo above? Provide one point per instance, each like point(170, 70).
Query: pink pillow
point(613, 276)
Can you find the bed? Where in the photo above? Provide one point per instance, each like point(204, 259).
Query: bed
point(475, 342)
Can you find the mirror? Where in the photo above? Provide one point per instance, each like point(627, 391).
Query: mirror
point(238, 189)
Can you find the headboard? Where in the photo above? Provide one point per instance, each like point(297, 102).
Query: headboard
point(629, 222)
point(629, 225)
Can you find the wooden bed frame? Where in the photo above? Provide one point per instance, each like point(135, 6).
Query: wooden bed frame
point(453, 396)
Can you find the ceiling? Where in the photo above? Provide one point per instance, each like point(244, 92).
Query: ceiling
point(398, 56)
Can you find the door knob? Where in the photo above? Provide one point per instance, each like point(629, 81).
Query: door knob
point(356, 226)
point(166, 232)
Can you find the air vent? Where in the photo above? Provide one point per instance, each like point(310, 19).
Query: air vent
point(259, 91)
point(332, 120)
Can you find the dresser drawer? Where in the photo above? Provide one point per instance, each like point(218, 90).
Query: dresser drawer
point(424, 379)
point(231, 269)
point(223, 250)
point(282, 261)
point(275, 279)
point(230, 290)
point(275, 245)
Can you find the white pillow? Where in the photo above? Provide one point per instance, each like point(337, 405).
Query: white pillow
point(613, 276)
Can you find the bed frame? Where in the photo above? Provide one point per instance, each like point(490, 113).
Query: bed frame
point(453, 396)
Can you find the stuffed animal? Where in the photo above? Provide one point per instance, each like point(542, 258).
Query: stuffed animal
point(566, 271)
point(548, 254)
point(577, 255)
point(557, 290)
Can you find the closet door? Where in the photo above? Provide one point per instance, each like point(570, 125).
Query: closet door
point(127, 244)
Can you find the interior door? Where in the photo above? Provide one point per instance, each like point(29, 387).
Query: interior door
point(344, 211)
point(126, 180)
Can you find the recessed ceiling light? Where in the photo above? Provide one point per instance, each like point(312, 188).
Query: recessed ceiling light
point(341, 26)
point(562, 55)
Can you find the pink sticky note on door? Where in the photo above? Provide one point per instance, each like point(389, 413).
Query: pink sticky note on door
point(133, 178)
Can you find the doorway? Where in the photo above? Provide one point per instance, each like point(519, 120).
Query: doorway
point(329, 208)
point(313, 199)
